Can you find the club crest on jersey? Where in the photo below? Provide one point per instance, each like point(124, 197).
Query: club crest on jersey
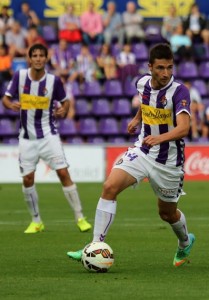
point(163, 101)
point(184, 102)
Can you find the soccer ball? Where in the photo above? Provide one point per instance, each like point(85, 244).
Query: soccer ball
point(97, 257)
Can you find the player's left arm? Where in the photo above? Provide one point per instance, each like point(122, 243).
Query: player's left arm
point(62, 108)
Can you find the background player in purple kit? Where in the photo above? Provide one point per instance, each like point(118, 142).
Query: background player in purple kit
point(38, 91)
point(158, 154)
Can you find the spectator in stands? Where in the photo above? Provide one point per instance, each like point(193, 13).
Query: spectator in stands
point(126, 56)
point(113, 25)
point(27, 17)
point(181, 44)
point(85, 68)
point(195, 25)
point(15, 40)
point(61, 59)
point(5, 64)
point(6, 22)
point(197, 111)
point(126, 62)
point(133, 23)
point(92, 26)
point(170, 22)
point(33, 37)
point(69, 26)
point(106, 63)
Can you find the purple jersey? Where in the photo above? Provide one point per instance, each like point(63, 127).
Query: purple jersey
point(38, 99)
point(159, 111)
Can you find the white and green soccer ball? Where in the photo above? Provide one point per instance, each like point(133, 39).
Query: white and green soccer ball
point(97, 257)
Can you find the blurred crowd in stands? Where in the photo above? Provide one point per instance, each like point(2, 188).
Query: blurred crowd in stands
point(98, 56)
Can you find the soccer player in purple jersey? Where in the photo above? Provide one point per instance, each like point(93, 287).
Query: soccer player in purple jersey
point(38, 91)
point(158, 154)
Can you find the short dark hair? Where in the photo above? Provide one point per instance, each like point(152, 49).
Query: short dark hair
point(160, 51)
point(38, 46)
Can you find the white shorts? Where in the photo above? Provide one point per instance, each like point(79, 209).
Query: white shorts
point(166, 181)
point(49, 149)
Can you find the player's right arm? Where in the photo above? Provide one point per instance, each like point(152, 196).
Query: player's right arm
point(8, 103)
point(12, 90)
point(135, 122)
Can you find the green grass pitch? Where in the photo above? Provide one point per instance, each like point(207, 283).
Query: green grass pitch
point(37, 267)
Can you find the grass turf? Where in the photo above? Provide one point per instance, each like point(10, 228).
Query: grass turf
point(37, 267)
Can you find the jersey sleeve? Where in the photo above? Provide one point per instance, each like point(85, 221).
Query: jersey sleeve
point(59, 91)
point(181, 100)
point(12, 88)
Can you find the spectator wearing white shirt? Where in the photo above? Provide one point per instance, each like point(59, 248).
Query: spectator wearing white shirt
point(15, 40)
point(133, 23)
point(126, 57)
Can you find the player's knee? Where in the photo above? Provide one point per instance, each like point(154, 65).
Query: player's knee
point(165, 216)
point(28, 180)
point(109, 190)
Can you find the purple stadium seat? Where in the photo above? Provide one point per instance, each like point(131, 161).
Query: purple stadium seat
point(95, 49)
point(12, 113)
point(133, 138)
point(127, 72)
point(201, 86)
point(88, 126)
point(101, 107)
point(204, 70)
point(75, 49)
point(10, 141)
point(115, 49)
point(92, 88)
point(153, 33)
point(140, 50)
point(116, 140)
point(121, 107)
point(75, 88)
point(206, 102)
point(187, 70)
point(108, 126)
point(2, 109)
point(67, 127)
point(129, 88)
point(112, 88)
point(81, 107)
point(49, 33)
point(74, 140)
point(95, 140)
point(124, 125)
point(7, 128)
